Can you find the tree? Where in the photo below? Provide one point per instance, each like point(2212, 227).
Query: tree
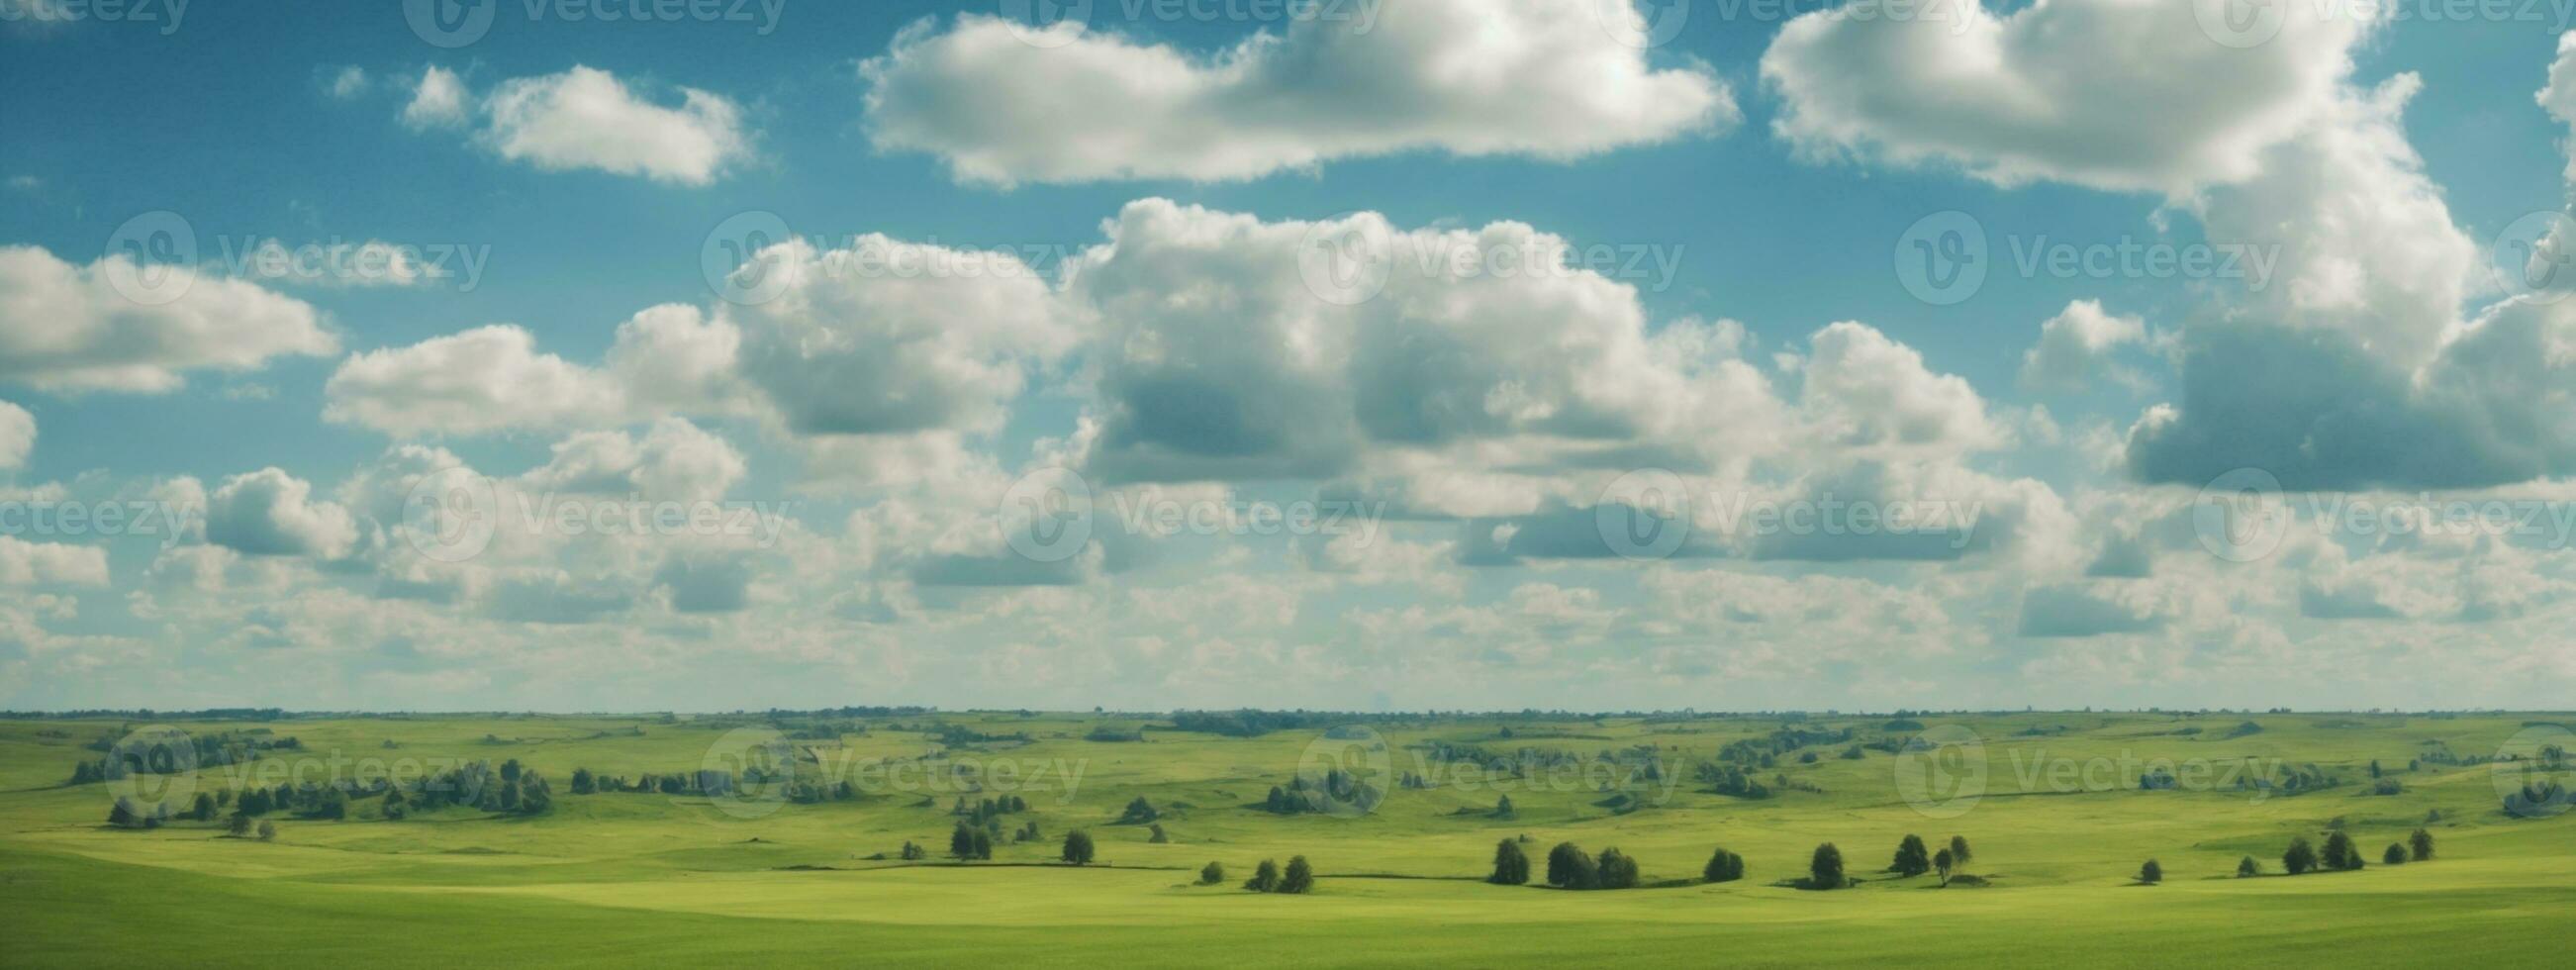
point(982, 842)
point(1911, 859)
point(2247, 868)
point(2151, 873)
point(1138, 812)
point(2422, 844)
point(1825, 870)
point(1959, 850)
point(238, 827)
point(203, 809)
point(1503, 807)
point(124, 815)
point(913, 853)
point(583, 783)
point(2396, 854)
point(1942, 863)
point(2341, 854)
point(1300, 877)
point(1158, 837)
point(1511, 865)
point(1568, 867)
point(1617, 871)
point(1265, 877)
point(2300, 858)
point(1212, 874)
point(1723, 866)
point(268, 831)
point(1078, 848)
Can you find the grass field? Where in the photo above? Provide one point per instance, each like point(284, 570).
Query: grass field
point(2059, 825)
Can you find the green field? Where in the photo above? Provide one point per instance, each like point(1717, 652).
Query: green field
point(2059, 828)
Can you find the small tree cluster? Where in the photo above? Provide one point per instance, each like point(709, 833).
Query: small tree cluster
point(1078, 849)
point(1511, 865)
point(969, 843)
point(1723, 866)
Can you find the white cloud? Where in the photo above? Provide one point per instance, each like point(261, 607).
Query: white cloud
point(673, 461)
point(588, 118)
point(437, 101)
point(25, 563)
point(347, 83)
point(482, 380)
point(272, 513)
point(2113, 94)
point(2559, 96)
point(2075, 347)
point(1870, 394)
point(1469, 77)
point(17, 435)
point(117, 326)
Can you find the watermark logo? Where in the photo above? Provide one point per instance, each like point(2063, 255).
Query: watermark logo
point(2532, 772)
point(1942, 258)
point(731, 258)
point(2241, 23)
point(166, 13)
point(2239, 516)
point(1941, 773)
point(450, 23)
point(1644, 514)
point(746, 772)
point(1346, 260)
point(451, 514)
point(1046, 515)
point(1351, 766)
point(1047, 23)
point(1655, 26)
point(153, 769)
point(2532, 258)
point(152, 258)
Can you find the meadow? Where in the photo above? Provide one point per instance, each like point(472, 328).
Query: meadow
point(785, 862)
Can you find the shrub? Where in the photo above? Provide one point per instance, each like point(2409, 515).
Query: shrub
point(1825, 869)
point(2421, 843)
point(2151, 873)
point(1300, 877)
point(1568, 867)
point(1212, 874)
point(2300, 858)
point(268, 831)
point(2396, 854)
point(1511, 865)
point(1723, 866)
point(2247, 868)
point(1078, 848)
point(1616, 869)
point(1265, 877)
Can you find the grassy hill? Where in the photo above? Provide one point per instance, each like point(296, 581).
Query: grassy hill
point(2051, 802)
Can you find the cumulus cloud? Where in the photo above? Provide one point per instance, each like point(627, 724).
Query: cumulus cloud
point(25, 563)
point(17, 435)
point(271, 513)
point(2089, 609)
point(114, 325)
point(482, 380)
point(2075, 347)
point(2113, 94)
point(675, 460)
point(1468, 77)
point(586, 118)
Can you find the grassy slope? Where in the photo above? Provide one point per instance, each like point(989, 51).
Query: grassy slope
point(617, 877)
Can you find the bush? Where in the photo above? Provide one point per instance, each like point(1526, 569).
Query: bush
point(1825, 869)
point(268, 831)
point(1569, 868)
point(1078, 848)
point(1723, 866)
point(1911, 859)
point(1265, 877)
point(2300, 858)
point(1511, 865)
point(1212, 874)
point(1300, 877)
point(2151, 873)
point(2421, 844)
point(2247, 868)
point(2340, 854)
point(2396, 854)
point(1616, 869)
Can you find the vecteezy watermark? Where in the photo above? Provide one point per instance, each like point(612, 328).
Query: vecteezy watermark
point(2244, 515)
point(1945, 771)
point(1351, 770)
point(164, 15)
point(2533, 772)
point(153, 770)
point(1944, 258)
point(72, 519)
point(1655, 513)
point(2252, 23)
point(156, 257)
point(1050, 515)
point(752, 772)
point(457, 23)
point(1346, 769)
point(453, 515)
point(1349, 259)
point(1055, 23)
point(2535, 256)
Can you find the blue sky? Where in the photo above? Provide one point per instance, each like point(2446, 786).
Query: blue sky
point(1750, 183)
